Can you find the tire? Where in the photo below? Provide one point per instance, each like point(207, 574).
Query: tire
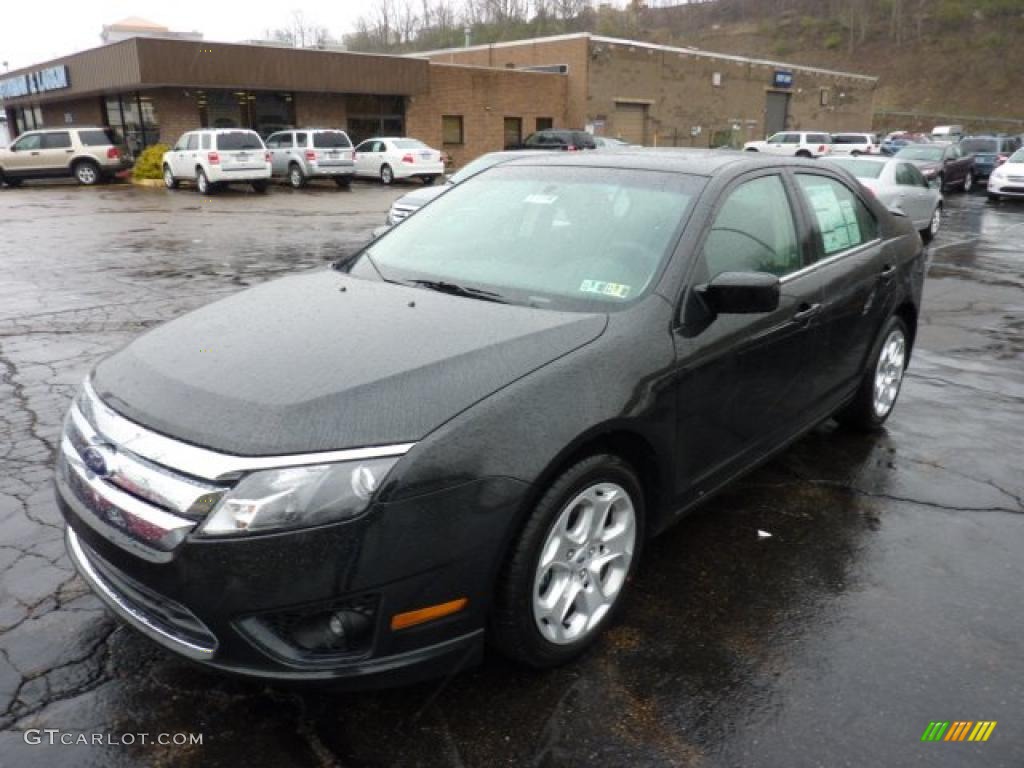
point(386, 174)
point(750, 149)
point(428, 180)
point(296, 178)
point(520, 625)
point(968, 184)
point(169, 181)
point(203, 185)
point(928, 233)
point(992, 196)
point(864, 413)
point(86, 173)
point(942, 182)
point(343, 181)
point(12, 182)
point(260, 187)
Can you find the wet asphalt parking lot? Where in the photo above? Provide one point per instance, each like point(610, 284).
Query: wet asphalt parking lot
point(889, 594)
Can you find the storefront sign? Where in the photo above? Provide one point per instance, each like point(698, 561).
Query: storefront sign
point(50, 79)
point(783, 79)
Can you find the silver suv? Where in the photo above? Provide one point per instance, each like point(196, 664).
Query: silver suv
point(312, 153)
point(88, 154)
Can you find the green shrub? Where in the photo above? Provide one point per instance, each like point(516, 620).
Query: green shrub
point(833, 40)
point(147, 164)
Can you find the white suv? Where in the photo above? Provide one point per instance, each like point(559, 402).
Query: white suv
point(793, 144)
point(214, 157)
point(855, 144)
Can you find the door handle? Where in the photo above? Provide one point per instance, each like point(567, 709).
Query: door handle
point(806, 312)
point(33, 153)
point(888, 272)
point(68, 151)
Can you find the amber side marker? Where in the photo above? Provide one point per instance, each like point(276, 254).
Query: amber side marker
point(422, 615)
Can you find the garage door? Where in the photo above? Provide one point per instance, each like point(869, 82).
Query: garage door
point(630, 121)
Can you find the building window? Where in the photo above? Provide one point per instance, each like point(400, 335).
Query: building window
point(513, 132)
point(825, 97)
point(451, 129)
point(716, 79)
point(134, 120)
point(27, 118)
point(261, 111)
point(545, 123)
point(371, 116)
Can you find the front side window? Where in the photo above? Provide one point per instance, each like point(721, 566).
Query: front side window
point(907, 175)
point(59, 140)
point(753, 231)
point(566, 238)
point(28, 141)
point(791, 138)
point(844, 222)
point(776, 138)
point(193, 142)
point(366, 146)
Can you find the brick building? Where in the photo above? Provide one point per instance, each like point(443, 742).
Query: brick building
point(661, 95)
point(153, 90)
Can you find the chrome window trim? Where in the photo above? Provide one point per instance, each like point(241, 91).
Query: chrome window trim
point(126, 610)
point(203, 462)
point(829, 260)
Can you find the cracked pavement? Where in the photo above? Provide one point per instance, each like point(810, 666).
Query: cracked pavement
point(887, 596)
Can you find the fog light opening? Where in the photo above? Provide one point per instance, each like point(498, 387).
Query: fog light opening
point(336, 631)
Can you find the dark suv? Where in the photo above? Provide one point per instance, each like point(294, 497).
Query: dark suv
point(989, 152)
point(560, 140)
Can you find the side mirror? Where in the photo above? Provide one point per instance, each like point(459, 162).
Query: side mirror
point(741, 293)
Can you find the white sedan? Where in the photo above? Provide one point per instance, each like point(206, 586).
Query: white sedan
point(1007, 180)
point(388, 159)
point(901, 186)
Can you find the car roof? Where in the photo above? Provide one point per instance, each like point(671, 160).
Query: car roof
point(859, 158)
point(220, 130)
point(697, 162)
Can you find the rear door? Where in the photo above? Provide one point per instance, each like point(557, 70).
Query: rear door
point(368, 158)
point(278, 145)
point(744, 381)
point(55, 151)
point(851, 265)
point(916, 196)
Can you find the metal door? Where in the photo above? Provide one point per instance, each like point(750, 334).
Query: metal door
point(629, 122)
point(776, 111)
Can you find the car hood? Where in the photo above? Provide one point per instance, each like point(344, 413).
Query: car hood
point(323, 361)
point(420, 197)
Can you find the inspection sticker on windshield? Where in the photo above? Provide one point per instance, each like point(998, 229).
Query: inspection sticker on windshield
point(618, 290)
point(540, 199)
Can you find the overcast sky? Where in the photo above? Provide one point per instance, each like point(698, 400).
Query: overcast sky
point(31, 33)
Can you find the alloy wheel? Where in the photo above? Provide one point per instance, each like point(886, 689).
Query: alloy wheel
point(889, 372)
point(584, 563)
point(968, 182)
point(168, 178)
point(86, 173)
point(936, 222)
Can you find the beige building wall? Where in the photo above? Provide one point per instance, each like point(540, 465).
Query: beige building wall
point(483, 98)
point(84, 111)
point(320, 110)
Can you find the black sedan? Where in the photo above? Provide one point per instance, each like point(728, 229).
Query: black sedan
point(468, 430)
point(945, 164)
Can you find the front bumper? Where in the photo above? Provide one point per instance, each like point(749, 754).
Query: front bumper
point(1009, 186)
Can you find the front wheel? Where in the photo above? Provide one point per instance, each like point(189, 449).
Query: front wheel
point(169, 181)
point(880, 386)
point(568, 570)
point(968, 182)
point(992, 196)
point(928, 233)
point(386, 174)
point(804, 154)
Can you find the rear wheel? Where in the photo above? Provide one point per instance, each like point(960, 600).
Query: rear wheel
point(86, 172)
point(11, 181)
point(386, 174)
point(568, 570)
point(928, 233)
point(343, 181)
point(428, 180)
point(750, 149)
point(203, 185)
point(296, 177)
point(169, 181)
point(260, 187)
point(969, 181)
point(880, 386)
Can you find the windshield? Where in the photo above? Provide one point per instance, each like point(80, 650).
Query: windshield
point(331, 140)
point(239, 140)
point(920, 153)
point(480, 164)
point(568, 238)
point(1017, 157)
point(410, 144)
point(862, 169)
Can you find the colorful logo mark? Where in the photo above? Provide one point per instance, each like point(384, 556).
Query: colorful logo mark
point(958, 730)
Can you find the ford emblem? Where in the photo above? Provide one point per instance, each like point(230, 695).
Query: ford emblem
point(96, 461)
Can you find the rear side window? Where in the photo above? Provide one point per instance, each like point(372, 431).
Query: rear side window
point(821, 138)
point(60, 140)
point(300, 139)
point(753, 231)
point(238, 140)
point(206, 141)
point(97, 138)
point(843, 220)
point(331, 140)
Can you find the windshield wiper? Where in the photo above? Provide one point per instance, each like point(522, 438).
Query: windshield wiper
point(460, 290)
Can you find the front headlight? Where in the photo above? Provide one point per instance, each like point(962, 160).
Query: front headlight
point(298, 497)
point(998, 174)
